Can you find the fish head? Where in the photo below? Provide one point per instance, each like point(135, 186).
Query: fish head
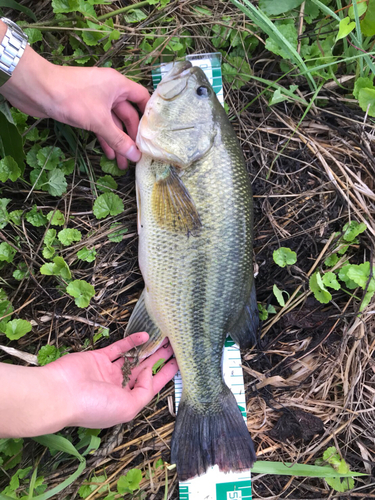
point(181, 119)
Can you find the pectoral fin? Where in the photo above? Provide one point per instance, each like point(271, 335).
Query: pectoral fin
point(172, 204)
point(141, 321)
point(245, 330)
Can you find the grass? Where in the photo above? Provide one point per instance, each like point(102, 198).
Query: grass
point(311, 161)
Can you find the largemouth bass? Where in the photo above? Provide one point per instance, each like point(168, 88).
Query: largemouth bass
point(195, 253)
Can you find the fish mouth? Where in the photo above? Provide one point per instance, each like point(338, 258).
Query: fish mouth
point(175, 82)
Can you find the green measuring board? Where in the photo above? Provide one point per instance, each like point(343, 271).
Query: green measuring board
point(214, 484)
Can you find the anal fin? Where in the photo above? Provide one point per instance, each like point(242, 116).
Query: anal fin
point(245, 330)
point(141, 321)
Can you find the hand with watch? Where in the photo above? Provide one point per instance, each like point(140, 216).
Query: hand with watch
point(96, 99)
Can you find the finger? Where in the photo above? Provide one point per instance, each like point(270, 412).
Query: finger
point(135, 92)
point(143, 390)
point(129, 116)
point(147, 386)
point(122, 162)
point(162, 353)
point(166, 374)
point(108, 151)
point(116, 139)
point(115, 350)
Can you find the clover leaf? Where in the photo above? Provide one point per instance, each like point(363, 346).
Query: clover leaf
point(17, 328)
point(107, 204)
point(81, 291)
point(284, 257)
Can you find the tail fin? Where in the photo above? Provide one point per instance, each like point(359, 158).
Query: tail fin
point(217, 436)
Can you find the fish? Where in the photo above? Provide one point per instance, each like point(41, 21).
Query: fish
point(195, 226)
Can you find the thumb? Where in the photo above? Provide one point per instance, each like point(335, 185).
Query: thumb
point(120, 142)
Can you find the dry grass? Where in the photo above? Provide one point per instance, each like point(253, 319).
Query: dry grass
point(309, 179)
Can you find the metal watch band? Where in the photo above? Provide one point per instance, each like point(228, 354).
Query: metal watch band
point(11, 49)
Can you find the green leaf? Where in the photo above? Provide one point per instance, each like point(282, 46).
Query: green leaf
point(39, 179)
point(359, 273)
point(48, 252)
point(36, 217)
point(34, 35)
point(329, 279)
point(49, 157)
point(11, 143)
point(289, 32)
point(50, 237)
point(57, 217)
point(86, 489)
point(80, 56)
point(7, 252)
point(110, 166)
point(56, 268)
point(284, 257)
point(86, 254)
point(366, 300)
point(368, 22)
point(9, 169)
point(338, 464)
point(17, 328)
point(134, 16)
point(362, 83)
point(331, 260)
point(343, 275)
point(106, 183)
point(108, 204)
point(158, 366)
point(21, 272)
point(117, 236)
point(67, 236)
point(263, 313)
point(11, 446)
point(130, 482)
point(301, 470)
point(272, 8)
point(317, 287)
point(49, 353)
point(6, 309)
point(65, 6)
point(93, 38)
point(362, 7)
point(31, 157)
point(67, 166)
point(366, 100)
point(81, 291)
point(59, 443)
point(4, 215)
point(12, 4)
point(56, 183)
point(345, 27)
point(237, 71)
point(279, 295)
point(353, 229)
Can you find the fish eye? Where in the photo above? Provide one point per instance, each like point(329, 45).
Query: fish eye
point(203, 91)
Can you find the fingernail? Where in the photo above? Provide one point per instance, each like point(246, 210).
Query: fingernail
point(133, 154)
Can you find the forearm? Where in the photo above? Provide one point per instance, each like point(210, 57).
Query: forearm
point(32, 402)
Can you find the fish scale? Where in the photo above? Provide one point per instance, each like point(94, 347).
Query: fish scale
point(195, 254)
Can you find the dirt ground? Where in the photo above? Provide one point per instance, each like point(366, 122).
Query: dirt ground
point(310, 381)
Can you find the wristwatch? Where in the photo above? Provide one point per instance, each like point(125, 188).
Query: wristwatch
point(11, 49)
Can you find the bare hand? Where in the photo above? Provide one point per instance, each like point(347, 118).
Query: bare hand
point(94, 382)
point(96, 99)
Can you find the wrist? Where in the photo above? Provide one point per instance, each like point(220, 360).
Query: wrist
point(30, 87)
